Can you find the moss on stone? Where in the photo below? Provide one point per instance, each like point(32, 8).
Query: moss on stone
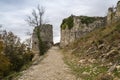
point(87, 20)
point(68, 22)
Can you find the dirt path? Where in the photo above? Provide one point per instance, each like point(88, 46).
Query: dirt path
point(50, 68)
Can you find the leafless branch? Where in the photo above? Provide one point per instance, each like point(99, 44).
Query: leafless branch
point(36, 19)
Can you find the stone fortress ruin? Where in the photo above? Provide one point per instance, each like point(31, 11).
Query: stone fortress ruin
point(74, 27)
point(46, 34)
point(82, 25)
point(113, 14)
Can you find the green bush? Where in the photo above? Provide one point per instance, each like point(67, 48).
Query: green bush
point(4, 63)
point(16, 51)
point(44, 47)
point(67, 23)
point(87, 20)
point(64, 26)
point(4, 66)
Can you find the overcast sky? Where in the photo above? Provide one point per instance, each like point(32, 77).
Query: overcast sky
point(13, 12)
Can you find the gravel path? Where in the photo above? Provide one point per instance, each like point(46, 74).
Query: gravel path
point(51, 67)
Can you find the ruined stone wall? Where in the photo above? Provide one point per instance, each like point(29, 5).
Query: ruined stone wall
point(79, 29)
point(46, 34)
point(110, 15)
point(113, 14)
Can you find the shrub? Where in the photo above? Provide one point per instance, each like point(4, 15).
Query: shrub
point(4, 66)
point(4, 63)
point(15, 51)
point(67, 23)
point(44, 47)
point(87, 20)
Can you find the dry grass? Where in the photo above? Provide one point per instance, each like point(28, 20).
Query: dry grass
point(109, 36)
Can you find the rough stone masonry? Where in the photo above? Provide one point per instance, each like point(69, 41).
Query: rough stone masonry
point(81, 27)
point(46, 33)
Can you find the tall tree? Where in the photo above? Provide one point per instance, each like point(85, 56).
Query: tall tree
point(36, 20)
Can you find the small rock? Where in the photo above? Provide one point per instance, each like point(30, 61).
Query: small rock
point(113, 67)
point(82, 61)
point(118, 67)
point(86, 73)
point(91, 60)
point(112, 52)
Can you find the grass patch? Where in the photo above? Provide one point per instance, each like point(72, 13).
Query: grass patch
point(86, 72)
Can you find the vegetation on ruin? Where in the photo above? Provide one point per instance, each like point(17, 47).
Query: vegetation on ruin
point(87, 20)
point(43, 47)
point(67, 23)
point(36, 20)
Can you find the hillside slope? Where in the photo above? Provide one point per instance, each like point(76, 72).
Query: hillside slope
point(96, 54)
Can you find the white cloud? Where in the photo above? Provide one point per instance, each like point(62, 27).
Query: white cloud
point(13, 12)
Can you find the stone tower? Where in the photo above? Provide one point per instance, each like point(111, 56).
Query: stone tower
point(118, 9)
point(46, 34)
point(113, 14)
point(110, 15)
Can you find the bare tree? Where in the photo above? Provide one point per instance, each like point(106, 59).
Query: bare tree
point(36, 20)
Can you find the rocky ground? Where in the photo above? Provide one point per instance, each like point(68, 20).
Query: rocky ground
point(52, 67)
